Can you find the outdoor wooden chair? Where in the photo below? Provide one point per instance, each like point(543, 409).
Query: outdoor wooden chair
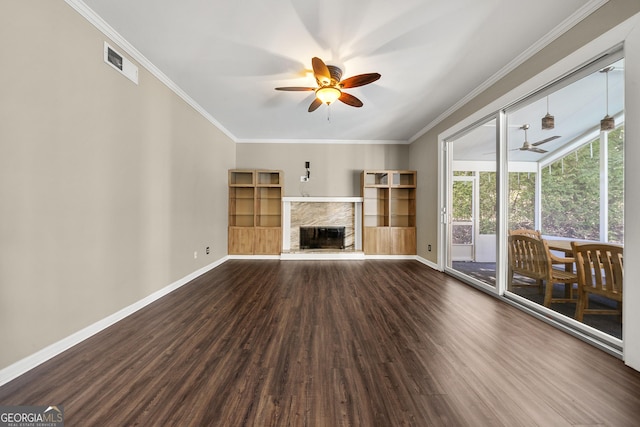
point(530, 257)
point(567, 262)
point(526, 232)
point(600, 272)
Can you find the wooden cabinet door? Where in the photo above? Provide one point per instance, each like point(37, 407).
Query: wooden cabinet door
point(268, 241)
point(241, 240)
point(403, 240)
point(376, 240)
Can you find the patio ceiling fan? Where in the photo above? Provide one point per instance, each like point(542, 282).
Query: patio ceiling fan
point(533, 146)
point(330, 87)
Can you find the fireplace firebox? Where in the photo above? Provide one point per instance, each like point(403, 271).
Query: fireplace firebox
point(322, 237)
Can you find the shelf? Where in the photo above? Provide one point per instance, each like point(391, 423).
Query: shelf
point(403, 221)
point(270, 193)
point(375, 221)
point(376, 178)
point(269, 221)
point(403, 207)
point(269, 178)
point(241, 193)
point(372, 208)
point(403, 193)
point(241, 220)
point(403, 179)
point(376, 193)
point(241, 178)
point(241, 206)
point(269, 207)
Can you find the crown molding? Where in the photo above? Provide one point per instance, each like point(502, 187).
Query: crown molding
point(325, 141)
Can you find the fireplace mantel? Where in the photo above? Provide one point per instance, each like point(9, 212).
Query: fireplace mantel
point(355, 205)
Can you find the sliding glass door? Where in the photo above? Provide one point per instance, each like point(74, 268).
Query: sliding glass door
point(552, 163)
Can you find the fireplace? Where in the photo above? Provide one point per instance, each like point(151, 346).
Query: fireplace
point(322, 212)
point(322, 237)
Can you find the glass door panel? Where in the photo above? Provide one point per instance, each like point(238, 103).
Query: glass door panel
point(566, 180)
point(471, 204)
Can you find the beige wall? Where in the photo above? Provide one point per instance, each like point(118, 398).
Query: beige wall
point(106, 187)
point(335, 168)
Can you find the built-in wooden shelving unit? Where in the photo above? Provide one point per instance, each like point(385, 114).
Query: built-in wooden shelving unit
point(389, 212)
point(255, 212)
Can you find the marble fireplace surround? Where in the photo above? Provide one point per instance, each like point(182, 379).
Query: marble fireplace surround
point(321, 211)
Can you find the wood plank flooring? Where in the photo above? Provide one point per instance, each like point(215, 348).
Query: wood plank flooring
point(332, 343)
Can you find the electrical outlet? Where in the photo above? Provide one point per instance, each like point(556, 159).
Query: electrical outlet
point(195, 255)
point(207, 250)
point(304, 179)
point(429, 248)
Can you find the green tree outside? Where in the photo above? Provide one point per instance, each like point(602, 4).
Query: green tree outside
point(570, 195)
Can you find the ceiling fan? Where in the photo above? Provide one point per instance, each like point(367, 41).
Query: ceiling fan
point(330, 86)
point(529, 146)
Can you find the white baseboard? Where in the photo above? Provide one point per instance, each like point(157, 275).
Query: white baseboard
point(253, 257)
point(428, 263)
point(20, 367)
point(390, 257)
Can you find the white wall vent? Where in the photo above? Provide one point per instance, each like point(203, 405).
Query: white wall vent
point(120, 63)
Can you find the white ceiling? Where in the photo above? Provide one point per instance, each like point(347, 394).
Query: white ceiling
point(228, 56)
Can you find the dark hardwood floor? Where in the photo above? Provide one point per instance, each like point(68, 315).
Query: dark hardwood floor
point(332, 343)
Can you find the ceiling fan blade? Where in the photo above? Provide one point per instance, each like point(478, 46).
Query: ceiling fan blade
point(314, 105)
point(537, 150)
point(350, 100)
point(545, 140)
point(360, 80)
point(295, 88)
point(321, 71)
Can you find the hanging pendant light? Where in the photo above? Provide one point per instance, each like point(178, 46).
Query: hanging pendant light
point(548, 121)
point(607, 123)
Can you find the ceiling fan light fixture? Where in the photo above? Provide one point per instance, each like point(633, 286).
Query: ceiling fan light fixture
point(328, 94)
point(330, 86)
